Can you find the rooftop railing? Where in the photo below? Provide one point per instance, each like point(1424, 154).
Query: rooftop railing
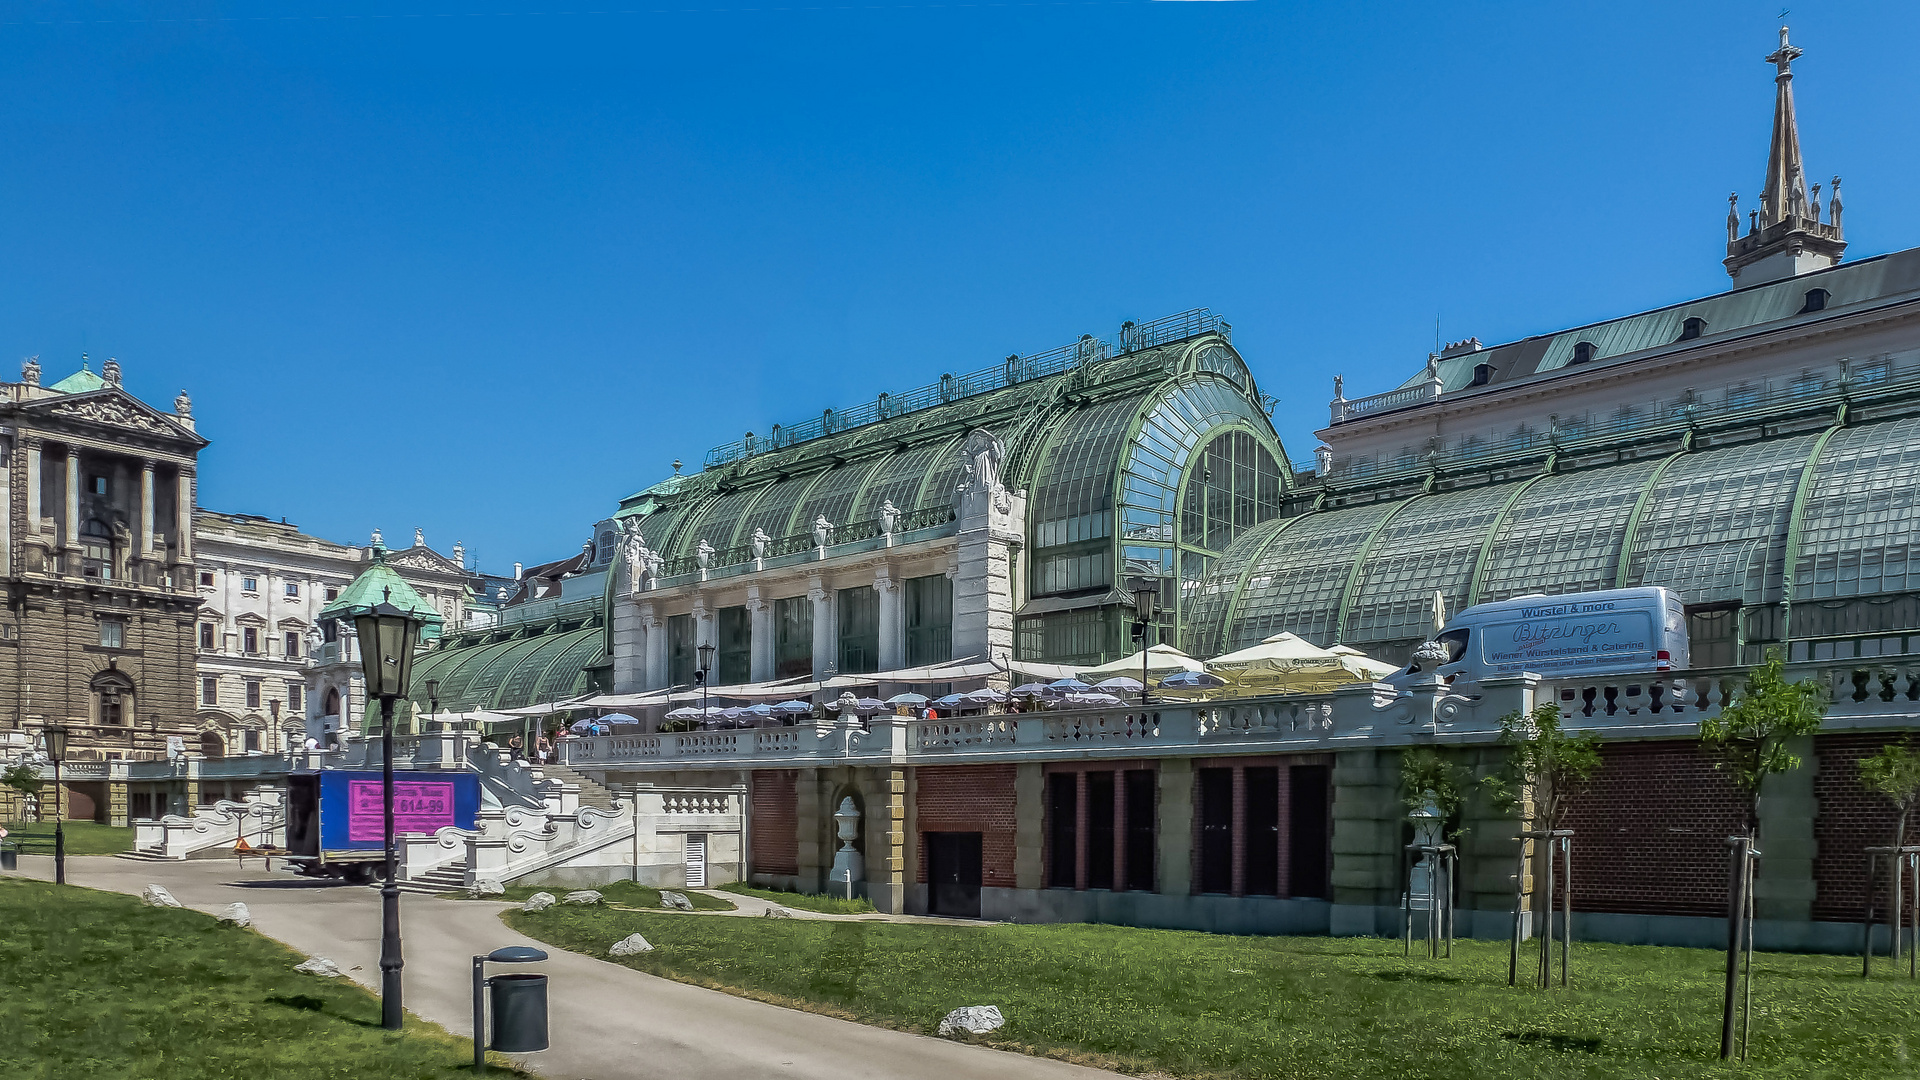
point(952, 387)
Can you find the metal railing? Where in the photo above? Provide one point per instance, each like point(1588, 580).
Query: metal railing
point(952, 387)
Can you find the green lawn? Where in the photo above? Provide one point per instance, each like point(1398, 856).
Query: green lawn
point(1199, 1005)
point(96, 985)
point(829, 905)
point(83, 837)
point(620, 892)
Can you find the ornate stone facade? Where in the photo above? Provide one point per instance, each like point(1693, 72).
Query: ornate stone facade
point(96, 552)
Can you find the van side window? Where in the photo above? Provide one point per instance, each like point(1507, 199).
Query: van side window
point(1456, 643)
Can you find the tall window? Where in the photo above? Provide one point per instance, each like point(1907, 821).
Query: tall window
point(929, 611)
point(735, 658)
point(1063, 827)
point(112, 697)
point(209, 690)
point(680, 657)
point(859, 630)
point(293, 697)
point(96, 550)
point(792, 637)
point(113, 634)
point(249, 640)
point(253, 694)
point(206, 636)
point(293, 644)
point(248, 584)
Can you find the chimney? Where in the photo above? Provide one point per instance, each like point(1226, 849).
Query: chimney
point(516, 571)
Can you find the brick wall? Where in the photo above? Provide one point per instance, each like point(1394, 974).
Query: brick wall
point(1850, 819)
point(776, 821)
point(1650, 832)
point(969, 798)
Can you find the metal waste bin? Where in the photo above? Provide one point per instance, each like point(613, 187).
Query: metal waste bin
point(9, 858)
point(519, 1013)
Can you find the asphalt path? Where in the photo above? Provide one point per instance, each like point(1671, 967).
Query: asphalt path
point(608, 1022)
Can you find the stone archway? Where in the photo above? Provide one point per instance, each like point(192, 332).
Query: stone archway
point(212, 745)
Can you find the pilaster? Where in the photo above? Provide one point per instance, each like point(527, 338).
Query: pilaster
point(1783, 887)
point(1030, 816)
point(1176, 826)
point(826, 627)
point(1366, 836)
point(760, 640)
point(893, 631)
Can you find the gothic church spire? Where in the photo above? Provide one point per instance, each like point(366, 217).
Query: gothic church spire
point(1786, 236)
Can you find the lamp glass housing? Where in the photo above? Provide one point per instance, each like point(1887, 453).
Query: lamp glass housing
point(387, 636)
point(706, 656)
point(56, 740)
point(1146, 599)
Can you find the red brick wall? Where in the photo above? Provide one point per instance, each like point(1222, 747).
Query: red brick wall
point(1650, 832)
point(1850, 819)
point(776, 822)
point(969, 798)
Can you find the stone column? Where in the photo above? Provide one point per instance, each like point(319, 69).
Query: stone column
point(1239, 875)
point(71, 518)
point(893, 622)
point(1030, 816)
point(6, 511)
point(760, 635)
point(656, 636)
point(1783, 888)
point(183, 518)
point(629, 647)
point(826, 635)
point(146, 510)
point(991, 526)
point(31, 448)
point(1080, 821)
point(1176, 826)
point(703, 634)
point(886, 839)
point(813, 819)
point(1367, 815)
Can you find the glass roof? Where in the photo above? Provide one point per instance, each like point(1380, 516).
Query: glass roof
point(1432, 542)
point(514, 673)
point(1715, 526)
point(1858, 531)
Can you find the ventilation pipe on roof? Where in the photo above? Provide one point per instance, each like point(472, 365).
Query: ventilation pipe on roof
point(516, 571)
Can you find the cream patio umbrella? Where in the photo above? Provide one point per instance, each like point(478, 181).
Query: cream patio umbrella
point(1285, 663)
point(1160, 660)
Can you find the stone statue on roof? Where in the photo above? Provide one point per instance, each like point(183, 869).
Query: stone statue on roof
point(183, 405)
point(640, 564)
point(889, 517)
point(760, 540)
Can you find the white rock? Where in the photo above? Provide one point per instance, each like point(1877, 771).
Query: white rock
point(972, 1019)
point(582, 896)
point(158, 896)
point(237, 914)
point(487, 887)
point(320, 966)
point(676, 901)
point(629, 945)
point(776, 912)
point(539, 901)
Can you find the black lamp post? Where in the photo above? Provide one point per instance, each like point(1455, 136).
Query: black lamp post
point(387, 635)
point(56, 740)
point(1146, 602)
point(706, 666)
point(433, 697)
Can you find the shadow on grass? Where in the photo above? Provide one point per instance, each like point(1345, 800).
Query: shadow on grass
point(1556, 1042)
point(308, 1003)
point(1418, 976)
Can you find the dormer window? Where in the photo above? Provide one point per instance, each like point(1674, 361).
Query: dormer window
point(1816, 300)
point(1692, 328)
point(1482, 374)
point(1582, 352)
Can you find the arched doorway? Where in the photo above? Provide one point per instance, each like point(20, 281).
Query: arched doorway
point(212, 745)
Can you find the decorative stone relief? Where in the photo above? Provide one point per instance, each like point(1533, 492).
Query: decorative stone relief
point(113, 412)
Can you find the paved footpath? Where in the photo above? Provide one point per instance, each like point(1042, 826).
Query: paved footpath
point(608, 1022)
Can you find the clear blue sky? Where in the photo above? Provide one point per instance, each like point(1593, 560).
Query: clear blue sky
point(488, 274)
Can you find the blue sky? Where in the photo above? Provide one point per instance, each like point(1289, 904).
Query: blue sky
point(486, 274)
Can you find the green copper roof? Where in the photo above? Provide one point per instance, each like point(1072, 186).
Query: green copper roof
point(79, 382)
point(379, 584)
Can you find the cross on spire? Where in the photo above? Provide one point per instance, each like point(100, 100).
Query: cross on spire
point(1782, 58)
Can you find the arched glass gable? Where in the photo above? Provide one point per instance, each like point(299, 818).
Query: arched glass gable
point(900, 478)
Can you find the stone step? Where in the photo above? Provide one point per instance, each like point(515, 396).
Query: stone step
point(592, 792)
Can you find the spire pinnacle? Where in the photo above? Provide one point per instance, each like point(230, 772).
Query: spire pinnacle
point(1786, 236)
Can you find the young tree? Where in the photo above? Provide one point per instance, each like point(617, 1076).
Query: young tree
point(1895, 773)
point(1544, 762)
point(1749, 737)
point(23, 778)
point(1426, 776)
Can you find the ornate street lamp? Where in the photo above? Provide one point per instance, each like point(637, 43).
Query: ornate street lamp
point(387, 635)
point(706, 666)
point(56, 743)
point(1146, 602)
point(433, 697)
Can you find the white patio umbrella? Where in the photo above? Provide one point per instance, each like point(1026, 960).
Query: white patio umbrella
point(1091, 701)
point(1069, 686)
point(911, 701)
point(1033, 689)
point(986, 695)
point(1119, 684)
point(1160, 660)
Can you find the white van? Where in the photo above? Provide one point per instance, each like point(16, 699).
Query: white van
point(1616, 632)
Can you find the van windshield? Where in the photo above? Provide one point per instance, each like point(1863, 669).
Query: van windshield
point(1456, 643)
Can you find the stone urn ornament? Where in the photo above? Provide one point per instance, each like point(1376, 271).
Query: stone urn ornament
point(846, 861)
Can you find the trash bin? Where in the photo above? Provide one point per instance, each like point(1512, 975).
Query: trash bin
point(9, 858)
point(519, 1013)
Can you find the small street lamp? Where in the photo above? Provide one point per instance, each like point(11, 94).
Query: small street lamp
point(433, 697)
point(1146, 602)
point(706, 666)
point(56, 742)
point(387, 635)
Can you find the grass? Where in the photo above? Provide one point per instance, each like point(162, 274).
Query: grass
point(96, 985)
point(827, 905)
point(620, 892)
point(1199, 1005)
point(83, 837)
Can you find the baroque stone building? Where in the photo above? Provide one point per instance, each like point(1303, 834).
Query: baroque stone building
point(96, 550)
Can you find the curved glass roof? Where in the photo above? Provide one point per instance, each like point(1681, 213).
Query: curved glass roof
point(1716, 524)
point(516, 672)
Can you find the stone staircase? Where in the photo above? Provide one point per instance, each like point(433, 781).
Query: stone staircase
point(442, 879)
point(592, 792)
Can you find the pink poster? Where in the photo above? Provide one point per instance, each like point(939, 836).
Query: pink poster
point(419, 806)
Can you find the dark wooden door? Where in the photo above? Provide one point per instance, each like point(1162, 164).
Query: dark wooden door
point(953, 873)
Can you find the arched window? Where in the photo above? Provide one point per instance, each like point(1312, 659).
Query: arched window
point(112, 694)
point(332, 706)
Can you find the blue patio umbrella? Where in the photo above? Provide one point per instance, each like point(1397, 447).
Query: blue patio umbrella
point(909, 700)
point(793, 708)
point(1192, 680)
point(1069, 686)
